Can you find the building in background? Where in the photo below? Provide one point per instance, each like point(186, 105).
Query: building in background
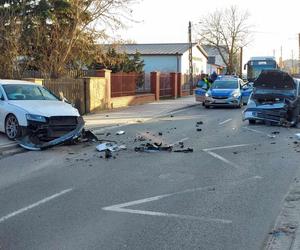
point(215, 61)
point(169, 57)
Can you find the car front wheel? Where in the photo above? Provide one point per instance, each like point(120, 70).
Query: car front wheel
point(12, 127)
point(252, 122)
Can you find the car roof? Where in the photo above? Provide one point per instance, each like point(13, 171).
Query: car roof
point(7, 82)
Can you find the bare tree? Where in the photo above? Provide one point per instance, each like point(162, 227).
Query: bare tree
point(226, 30)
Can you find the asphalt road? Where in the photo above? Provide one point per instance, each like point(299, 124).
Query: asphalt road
point(227, 194)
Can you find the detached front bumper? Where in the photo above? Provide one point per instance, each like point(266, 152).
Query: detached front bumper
point(43, 136)
point(230, 101)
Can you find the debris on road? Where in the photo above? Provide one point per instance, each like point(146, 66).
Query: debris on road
point(298, 136)
point(112, 147)
point(108, 154)
point(187, 150)
point(275, 133)
point(160, 134)
point(120, 132)
point(150, 148)
point(200, 123)
point(199, 129)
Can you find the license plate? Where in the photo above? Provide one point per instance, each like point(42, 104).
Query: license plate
point(219, 101)
point(249, 114)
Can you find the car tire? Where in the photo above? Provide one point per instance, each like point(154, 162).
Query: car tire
point(240, 104)
point(12, 127)
point(252, 122)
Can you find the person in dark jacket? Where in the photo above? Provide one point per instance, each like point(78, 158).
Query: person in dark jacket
point(213, 76)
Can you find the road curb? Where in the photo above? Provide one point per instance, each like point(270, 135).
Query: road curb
point(183, 108)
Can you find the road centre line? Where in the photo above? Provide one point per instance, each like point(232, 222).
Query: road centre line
point(224, 122)
point(122, 208)
point(34, 205)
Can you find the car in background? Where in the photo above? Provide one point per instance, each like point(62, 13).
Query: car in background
point(226, 91)
point(28, 110)
point(275, 99)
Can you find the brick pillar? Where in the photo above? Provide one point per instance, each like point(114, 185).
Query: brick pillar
point(107, 75)
point(179, 83)
point(173, 79)
point(155, 85)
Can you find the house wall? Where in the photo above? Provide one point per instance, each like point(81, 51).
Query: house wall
point(161, 63)
point(213, 68)
point(199, 62)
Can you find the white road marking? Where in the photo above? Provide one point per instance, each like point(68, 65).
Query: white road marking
point(259, 132)
point(224, 122)
point(122, 208)
point(226, 147)
point(221, 158)
point(22, 210)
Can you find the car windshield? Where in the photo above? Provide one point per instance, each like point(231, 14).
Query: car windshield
point(225, 84)
point(28, 92)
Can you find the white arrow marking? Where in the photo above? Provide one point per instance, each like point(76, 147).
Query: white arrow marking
point(122, 208)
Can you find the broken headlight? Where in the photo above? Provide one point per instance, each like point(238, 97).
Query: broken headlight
point(36, 118)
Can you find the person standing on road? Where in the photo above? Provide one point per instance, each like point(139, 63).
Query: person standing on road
point(213, 76)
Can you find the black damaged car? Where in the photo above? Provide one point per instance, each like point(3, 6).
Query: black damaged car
point(274, 100)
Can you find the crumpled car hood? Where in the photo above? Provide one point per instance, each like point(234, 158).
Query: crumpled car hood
point(274, 79)
point(46, 108)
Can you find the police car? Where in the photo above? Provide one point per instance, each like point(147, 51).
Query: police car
point(227, 91)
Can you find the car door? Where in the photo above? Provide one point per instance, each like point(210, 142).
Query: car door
point(2, 110)
point(246, 92)
point(201, 91)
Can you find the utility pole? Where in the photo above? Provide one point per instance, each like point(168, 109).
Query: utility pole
point(299, 56)
point(280, 59)
point(292, 71)
point(191, 81)
point(241, 62)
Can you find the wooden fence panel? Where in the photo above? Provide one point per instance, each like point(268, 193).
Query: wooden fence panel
point(73, 90)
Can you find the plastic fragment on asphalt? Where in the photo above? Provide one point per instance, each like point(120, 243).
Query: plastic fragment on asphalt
point(298, 136)
point(112, 147)
point(121, 132)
